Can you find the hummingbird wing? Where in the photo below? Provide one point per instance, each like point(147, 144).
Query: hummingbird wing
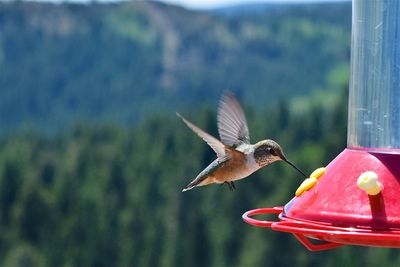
point(213, 142)
point(232, 124)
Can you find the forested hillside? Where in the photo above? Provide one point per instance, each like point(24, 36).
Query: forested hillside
point(119, 63)
point(110, 197)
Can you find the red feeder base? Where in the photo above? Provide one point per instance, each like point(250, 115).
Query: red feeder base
point(337, 212)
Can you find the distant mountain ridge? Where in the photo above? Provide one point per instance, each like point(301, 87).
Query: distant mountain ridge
point(121, 62)
point(264, 7)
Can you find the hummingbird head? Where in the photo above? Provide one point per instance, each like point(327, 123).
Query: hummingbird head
point(268, 151)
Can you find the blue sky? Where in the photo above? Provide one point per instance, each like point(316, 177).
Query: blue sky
point(204, 4)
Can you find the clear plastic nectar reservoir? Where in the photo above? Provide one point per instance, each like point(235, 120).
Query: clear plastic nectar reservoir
point(374, 102)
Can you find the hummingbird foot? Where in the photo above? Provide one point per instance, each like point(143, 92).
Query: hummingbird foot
point(231, 185)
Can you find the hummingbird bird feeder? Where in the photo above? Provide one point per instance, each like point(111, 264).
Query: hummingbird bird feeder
point(355, 200)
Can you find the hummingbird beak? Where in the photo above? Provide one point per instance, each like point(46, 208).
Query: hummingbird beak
point(294, 166)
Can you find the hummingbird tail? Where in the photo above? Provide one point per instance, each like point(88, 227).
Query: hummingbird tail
point(191, 185)
point(202, 179)
point(187, 188)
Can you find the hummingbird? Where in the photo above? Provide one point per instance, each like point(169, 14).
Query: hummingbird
point(236, 157)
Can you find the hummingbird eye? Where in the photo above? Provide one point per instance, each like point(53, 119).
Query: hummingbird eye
point(272, 152)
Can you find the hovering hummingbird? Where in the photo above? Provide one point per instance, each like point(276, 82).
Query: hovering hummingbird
point(236, 157)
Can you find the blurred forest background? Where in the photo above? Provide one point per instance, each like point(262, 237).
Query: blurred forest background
point(93, 159)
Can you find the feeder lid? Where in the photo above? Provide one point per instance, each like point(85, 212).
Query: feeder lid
point(337, 200)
